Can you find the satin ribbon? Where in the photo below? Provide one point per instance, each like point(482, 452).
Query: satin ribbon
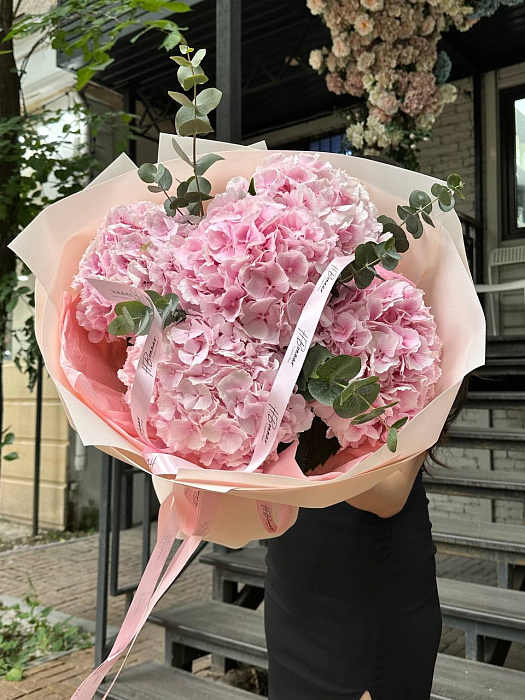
point(190, 509)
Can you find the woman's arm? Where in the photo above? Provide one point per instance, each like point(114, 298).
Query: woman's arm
point(389, 496)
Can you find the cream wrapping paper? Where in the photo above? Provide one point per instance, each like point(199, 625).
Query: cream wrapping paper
point(54, 242)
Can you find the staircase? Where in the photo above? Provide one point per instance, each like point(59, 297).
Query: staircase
point(231, 628)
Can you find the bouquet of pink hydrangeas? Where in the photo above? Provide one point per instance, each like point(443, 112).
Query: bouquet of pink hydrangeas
point(242, 275)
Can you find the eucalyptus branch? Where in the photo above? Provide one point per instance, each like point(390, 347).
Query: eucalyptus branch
point(388, 254)
point(191, 120)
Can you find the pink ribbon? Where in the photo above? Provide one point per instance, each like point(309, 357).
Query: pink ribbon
point(189, 509)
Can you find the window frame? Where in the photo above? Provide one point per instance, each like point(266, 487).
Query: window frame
point(507, 98)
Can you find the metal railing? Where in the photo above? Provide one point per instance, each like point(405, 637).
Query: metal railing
point(473, 238)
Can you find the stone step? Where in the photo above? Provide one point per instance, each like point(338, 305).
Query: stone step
point(480, 539)
point(496, 541)
point(477, 483)
point(459, 679)
point(238, 633)
point(499, 612)
point(150, 681)
point(487, 438)
point(495, 399)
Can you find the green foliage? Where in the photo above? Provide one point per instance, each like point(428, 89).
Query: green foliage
point(134, 317)
point(191, 120)
point(7, 438)
point(48, 170)
point(412, 215)
point(26, 633)
point(90, 28)
point(332, 381)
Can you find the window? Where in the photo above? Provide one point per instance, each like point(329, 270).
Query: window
point(512, 122)
point(331, 143)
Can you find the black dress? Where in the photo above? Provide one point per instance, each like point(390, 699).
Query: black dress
point(351, 605)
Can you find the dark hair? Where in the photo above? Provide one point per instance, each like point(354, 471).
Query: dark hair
point(457, 406)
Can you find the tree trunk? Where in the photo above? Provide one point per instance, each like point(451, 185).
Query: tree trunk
point(9, 169)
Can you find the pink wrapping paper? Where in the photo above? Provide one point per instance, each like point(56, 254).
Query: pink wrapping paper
point(53, 244)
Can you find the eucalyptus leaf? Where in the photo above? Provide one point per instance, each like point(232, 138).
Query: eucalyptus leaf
point(206, 161)
point(147, 172)
point(120, 326)
point(154, 296)
point(199, 57)
point(324, 390)
point(414, 225)
point(184, 114)
point(315, 357)
point(203, 185)
point(181, 99)
point(363, 278)
point(454, 181)
point(365, 255)
point(182, 188)
point(172, 204)
point(404, 211)
point(402, 244)
point(427, 219)
point(419, 200)
point(133, 312)
point(164, 178)
point(332, 377)
point(181, 153)
point(444, 197)
point(446, 203)
point(349, 404)
point(190, 77)
point(400, 423)
point(208, 100)
point(181, 61)
point(195, 127)
point(392, 440)
point(342, 368)
point(11, 456)
point(193, 197)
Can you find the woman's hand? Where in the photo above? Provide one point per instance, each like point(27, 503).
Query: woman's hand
point(388, 498)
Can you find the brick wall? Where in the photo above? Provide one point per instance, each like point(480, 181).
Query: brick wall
point(451, 148)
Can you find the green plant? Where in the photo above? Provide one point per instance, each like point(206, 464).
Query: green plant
point(90, 28)
point(26, 633)
point(36, 167)
point(192, 119)
point(7, 438)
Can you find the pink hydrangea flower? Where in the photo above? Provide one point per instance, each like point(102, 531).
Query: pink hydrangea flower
point(126, 249)
point(389, 327)
point(211, 386)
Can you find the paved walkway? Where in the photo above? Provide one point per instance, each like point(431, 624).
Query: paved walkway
point(64, 576)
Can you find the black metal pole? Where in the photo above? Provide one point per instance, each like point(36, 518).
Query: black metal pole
point(116, 522)
point(146, 519)
point(478, 270)
point(101, 619)
point(229, 56)
point(130, 106)
point(38, 445)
